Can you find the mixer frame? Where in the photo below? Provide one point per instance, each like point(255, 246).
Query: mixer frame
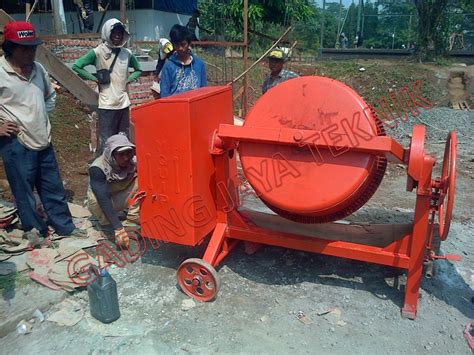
point(198, 277)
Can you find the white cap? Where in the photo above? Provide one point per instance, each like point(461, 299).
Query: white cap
point(123, 149)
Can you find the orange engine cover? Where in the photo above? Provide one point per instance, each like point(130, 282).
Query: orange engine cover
point(304, 183)
point(175, 167)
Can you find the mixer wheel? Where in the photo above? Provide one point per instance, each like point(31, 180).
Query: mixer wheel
point(447, 186)
point(198, 279)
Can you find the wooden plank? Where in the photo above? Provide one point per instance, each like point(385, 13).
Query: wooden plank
point(57, 69)
point(66, 77)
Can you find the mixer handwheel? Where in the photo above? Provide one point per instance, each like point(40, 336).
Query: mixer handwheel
point(198, 279)
point(447, 185)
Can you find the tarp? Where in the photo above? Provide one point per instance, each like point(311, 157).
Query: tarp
point(177, 6)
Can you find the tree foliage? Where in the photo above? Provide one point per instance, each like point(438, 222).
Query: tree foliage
point(226, 16)
point(384, 24)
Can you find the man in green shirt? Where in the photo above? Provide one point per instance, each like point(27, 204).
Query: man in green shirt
point(111, 56)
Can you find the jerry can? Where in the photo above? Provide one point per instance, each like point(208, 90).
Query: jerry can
point(103, 299)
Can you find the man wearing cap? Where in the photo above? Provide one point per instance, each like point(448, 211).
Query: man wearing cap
point(113, 181)
point(276, 59)
point(165, 51)
point(112, 57)
point(26, 97)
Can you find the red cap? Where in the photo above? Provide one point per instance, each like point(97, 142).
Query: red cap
point(21, 32)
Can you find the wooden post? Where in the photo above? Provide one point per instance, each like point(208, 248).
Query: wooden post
point(123, 7)
point(59, 19)
point(246, 44)
point(27, 10)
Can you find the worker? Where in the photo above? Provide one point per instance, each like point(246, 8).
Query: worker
point(193, 24)
point(164, 52)
point(112, 182)
point(112, 61)
point(184, 70)
point(276, 60)
point(85, 10)
point(358, 40)
point(26, 98)
point(344, 40)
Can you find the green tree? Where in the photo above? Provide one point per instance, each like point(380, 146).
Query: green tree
point(371, 26)
point(437, 19)
point(226, 16)
point(430, 13)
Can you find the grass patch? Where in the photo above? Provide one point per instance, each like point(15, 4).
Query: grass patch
point(442, 61)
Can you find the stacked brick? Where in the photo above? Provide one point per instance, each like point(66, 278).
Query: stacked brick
point(140, 90)
point(69, 50)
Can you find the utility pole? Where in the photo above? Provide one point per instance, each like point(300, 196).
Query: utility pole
point(59, 20)
point(322, 29)
point(359, 12)
point(409, 32)
point(339, 25)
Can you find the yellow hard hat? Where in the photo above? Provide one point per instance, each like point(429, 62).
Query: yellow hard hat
point(277, 54)
point(168, 48)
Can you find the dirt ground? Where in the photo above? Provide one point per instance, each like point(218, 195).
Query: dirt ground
point(277, 300)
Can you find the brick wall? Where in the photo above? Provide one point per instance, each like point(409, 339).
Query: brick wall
point(69, 50)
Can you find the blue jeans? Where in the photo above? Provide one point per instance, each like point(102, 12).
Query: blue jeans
point(28, 169)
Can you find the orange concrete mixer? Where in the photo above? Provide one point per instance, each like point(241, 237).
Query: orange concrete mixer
point(313, 152)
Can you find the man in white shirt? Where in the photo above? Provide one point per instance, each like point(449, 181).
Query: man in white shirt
point(26, 97)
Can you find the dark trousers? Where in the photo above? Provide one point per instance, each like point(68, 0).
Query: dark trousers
point(28, 169)
point(112, 122)
point(88, 22)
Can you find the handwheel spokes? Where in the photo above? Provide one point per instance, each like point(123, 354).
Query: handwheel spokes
point(198, 279)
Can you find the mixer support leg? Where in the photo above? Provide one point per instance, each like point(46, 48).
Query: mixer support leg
point(214, 248)
point(417, 253)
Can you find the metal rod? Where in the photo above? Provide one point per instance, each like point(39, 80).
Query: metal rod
point(290, 51)
point(28, 16)
point(263, 56)
point(263, 35)
point(202, 43)
point(246, 58)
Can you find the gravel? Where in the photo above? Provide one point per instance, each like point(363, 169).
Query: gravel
point(438, 121)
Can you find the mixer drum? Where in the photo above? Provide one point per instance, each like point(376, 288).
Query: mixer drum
point(305, 183)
